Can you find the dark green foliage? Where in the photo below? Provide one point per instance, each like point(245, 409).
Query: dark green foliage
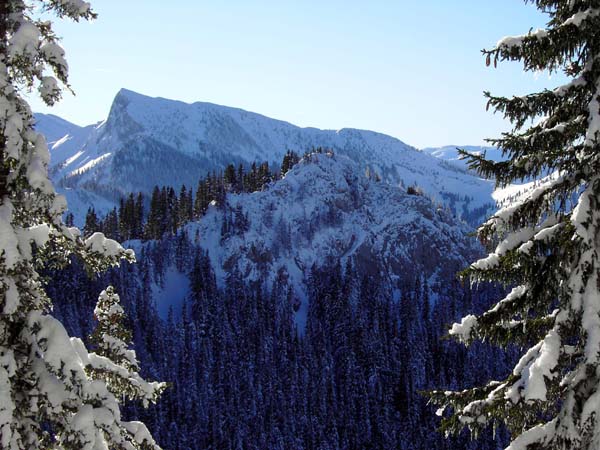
point(229, 177)
point(111, 340)
point(246, 372)
point(288, 162)
point(546, 245)
point(91, 223)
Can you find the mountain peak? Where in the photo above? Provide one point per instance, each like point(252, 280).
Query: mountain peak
point(149, 141)
point(128, 93)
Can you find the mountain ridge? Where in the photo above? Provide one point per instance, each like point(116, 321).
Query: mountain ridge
point(148, 141)
point(323, 209)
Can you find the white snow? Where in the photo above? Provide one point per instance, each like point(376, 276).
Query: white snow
point(578, 18)
point(71, 159)
point(88, 165)
point(514, 41)
point(372, 217)
point(25, 41)
point(216, 135)
point(99, 243)
point(463, 329)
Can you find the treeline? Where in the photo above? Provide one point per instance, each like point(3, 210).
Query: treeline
point(169, 209)
point(246, 372)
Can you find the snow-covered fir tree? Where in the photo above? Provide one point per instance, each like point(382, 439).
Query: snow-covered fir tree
point(546, 245)
point(117, 364)
point(47, 397)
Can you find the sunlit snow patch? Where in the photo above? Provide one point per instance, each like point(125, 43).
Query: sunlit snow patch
point(90, 164)
point(61, 141)
point(73, 158)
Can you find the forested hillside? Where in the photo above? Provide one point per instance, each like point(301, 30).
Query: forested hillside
point(281, 347)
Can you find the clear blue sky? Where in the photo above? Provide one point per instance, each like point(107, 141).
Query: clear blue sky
point(406, 68)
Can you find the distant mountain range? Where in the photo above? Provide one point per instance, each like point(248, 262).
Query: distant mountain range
point(154, 141)
point(450, 153)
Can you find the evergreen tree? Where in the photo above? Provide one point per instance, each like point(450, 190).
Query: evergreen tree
point(127, 217)
point(47, 399)
point(289, 159)
point(264, 176)
point(139, 217)
point(240, 179)
point(92, 223)
point(251, 182)
point(110, 225)
point(546, 245)
point(69, 219)
point(117, 366)
point(244, 376)
point(201, 201)
point(186, 206)
point(154, 227)
point(229, 177)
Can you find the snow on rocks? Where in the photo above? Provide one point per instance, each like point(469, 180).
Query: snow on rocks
point(326, 207)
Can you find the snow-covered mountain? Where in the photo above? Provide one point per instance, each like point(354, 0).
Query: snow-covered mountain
point(450, 153)
point(55, 128)
point(154, 141)
point(325, 208)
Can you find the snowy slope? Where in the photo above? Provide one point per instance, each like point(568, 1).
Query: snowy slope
point(64, 138)
point(450, 153)
point(326, 208)
point(54, 127)
point(65, 141)
point(148, 141)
